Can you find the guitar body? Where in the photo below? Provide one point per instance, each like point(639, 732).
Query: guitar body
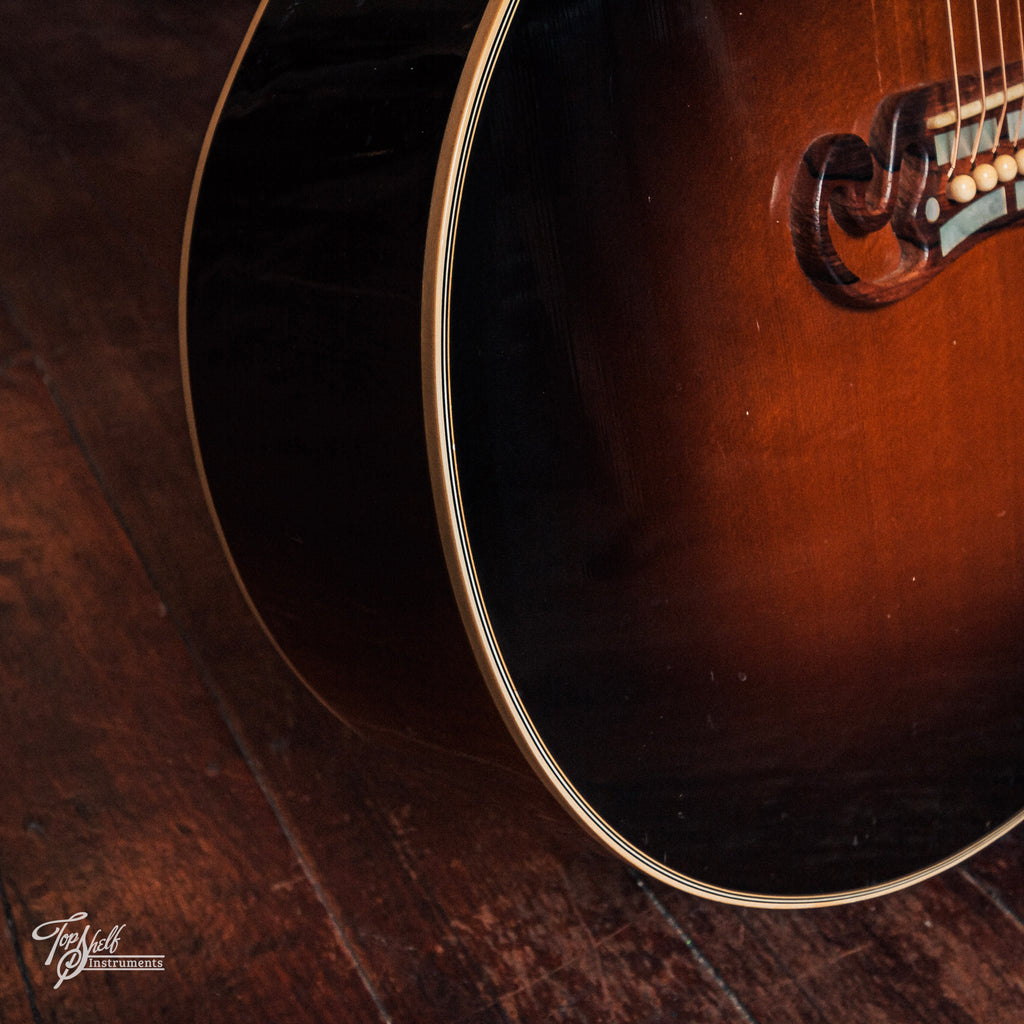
point(722, 406)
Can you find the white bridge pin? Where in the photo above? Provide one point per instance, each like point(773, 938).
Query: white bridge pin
point(985, 176)
point(963, 188)
point(1006, 167)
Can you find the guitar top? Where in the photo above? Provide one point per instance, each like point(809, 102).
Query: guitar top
point(722, 374)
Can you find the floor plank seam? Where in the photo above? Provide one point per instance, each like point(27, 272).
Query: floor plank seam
point(702, 961)
point(304, 862)
point(19, 955)
point(994, 896)
point(223, 711)
point(399, 847)
point(251, 762)
point(86, 452)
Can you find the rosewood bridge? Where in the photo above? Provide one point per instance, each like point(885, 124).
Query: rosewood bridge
point(943, 167)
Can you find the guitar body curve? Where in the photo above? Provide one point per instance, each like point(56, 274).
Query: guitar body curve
point(742, 565)
point(300, 310)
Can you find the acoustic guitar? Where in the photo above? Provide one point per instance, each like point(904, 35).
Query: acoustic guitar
point(716, 310)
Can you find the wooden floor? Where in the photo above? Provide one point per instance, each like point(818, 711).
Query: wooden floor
point(163, 771)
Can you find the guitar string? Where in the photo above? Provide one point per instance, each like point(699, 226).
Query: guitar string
point(1020, 113)
point(981, 83)
point(956, 89)
point(1006, 84)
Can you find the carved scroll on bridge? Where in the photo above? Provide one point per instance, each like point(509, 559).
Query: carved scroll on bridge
point(900, 180)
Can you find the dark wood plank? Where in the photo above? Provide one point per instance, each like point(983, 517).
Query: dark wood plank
point(111, 85)
point(16, 1004)
point(132, 801)
point(940, 951)
point(559, 929)
point(16, 997)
